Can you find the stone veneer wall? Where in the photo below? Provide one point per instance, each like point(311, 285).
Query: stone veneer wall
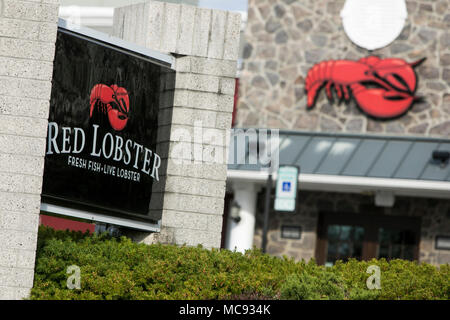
point(434, 213)
point(27, 48)
point(284, 38)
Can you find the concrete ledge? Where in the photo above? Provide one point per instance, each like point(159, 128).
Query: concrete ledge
point(20, 183)
point(31, 146)
point(27, 107)
point(192, 203)
point(34, 11)
point(23, 126)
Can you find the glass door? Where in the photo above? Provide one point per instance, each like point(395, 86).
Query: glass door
point(343, 236)
point(396, 243)
point(344, 242)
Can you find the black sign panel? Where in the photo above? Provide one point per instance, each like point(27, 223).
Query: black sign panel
point(102, 133)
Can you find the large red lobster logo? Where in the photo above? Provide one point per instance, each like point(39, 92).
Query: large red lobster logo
point(114, 102)
point(383, 88)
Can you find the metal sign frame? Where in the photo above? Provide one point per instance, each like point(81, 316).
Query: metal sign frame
point(131, 49)
point(284, 228)
point(118, 44)
point(438, 242)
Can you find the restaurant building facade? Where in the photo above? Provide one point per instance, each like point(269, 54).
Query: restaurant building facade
point(373, 182)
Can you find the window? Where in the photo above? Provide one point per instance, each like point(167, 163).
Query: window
point(344, 242)
point(343, 236)
point(396, 244)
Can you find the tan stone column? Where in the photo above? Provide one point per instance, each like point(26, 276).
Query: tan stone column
point(195, 125)
point(27, 46)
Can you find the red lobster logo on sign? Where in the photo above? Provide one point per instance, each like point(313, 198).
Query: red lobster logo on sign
point(114, 102)
point(383, 88)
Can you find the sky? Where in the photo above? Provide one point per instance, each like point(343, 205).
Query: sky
point(228, 5)
point(231, 5)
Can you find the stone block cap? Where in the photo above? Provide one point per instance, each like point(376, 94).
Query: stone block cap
point(180, 29)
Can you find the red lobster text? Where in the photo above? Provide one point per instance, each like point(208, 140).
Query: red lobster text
point(383, 88)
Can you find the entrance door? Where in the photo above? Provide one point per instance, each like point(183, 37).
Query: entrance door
point(343, 236)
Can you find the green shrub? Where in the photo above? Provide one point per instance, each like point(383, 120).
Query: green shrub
point(313, 286)
point(120, 269)
point(400, 279)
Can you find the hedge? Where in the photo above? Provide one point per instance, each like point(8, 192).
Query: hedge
point(120, 269)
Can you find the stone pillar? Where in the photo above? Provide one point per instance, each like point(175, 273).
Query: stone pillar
point(27, 46)
point(195, 126)
point(240, 234)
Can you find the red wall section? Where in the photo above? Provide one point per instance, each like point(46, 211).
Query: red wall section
point(64, 224)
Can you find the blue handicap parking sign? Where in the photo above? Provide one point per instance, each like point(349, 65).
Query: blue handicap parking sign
point(286, 191)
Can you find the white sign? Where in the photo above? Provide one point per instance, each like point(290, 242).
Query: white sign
point(286, 191)
point(373, 24)
point(442, 243)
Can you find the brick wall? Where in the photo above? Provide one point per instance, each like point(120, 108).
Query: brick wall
point(27, 45)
